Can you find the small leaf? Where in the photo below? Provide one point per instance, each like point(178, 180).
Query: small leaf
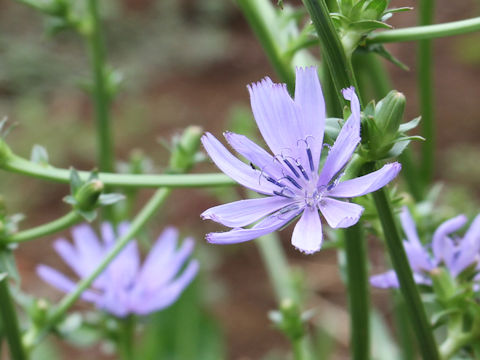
point(88, 215)
point(397, 149)
point(69, 199)
point(412, 124)
point(439, 317)
point(75, 181)
point(109, 199)
point(366, 26)
point(380, 50)
point(39, 155)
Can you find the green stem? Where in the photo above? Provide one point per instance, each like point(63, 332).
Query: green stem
point(64, 222)
point(277, 268)
point(425, 32)
point(298, 349)
point(261, 16)
point(413, 303)
point(100, 94)
point(332, 49)
point(358, 292)
point(126, 338)
point(425, 84)
point(22, 166)
point(138, 222)
point(10, 322)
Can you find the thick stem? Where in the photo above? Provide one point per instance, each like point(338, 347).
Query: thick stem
point(425, 85)
point(126, 338)
point(420, 324)
point(100, 94)
point(64, 222)
point(425, 32)
point(10, 322)
point(358, 292)
point(261, 16)
point(22, 166)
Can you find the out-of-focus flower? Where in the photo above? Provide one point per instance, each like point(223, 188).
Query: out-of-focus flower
point(454, 253)
point(125, 287)
point(293, 129)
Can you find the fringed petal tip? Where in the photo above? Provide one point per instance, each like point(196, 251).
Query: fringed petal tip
point(309, 68)
point(308, 252)
point(265, 82)
point(349, 93)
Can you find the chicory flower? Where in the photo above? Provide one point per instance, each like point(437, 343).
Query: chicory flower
point(125, 287)
point(290, 176)
point(454, 253)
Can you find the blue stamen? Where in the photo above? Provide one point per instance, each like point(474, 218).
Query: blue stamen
point(292, 180)
point(290, 166)
point(280, 193)
point(310, 158)
point(304, 173)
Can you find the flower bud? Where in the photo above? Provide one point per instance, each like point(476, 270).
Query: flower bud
point(185, 150)
point(38, 311)
point(87, 196)
point(443, 284)
point(289, 319)
point(389, 113)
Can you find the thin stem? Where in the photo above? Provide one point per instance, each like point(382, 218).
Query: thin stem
point(22, 166)
point(425, 32)
point(100, 95)
point(10, 322)
point(126, 337)
point(261, 16)
point(140, 220)
point(413, 303)
point(52, 227)
point(298, 349)
point(425, 84)
point(358, 292)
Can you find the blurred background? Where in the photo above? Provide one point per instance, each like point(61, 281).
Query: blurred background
point(188, 62)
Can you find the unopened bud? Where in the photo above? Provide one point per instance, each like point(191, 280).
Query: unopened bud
point(183, 154)
point(443, 284)
point(87, 196)
point(389, 113)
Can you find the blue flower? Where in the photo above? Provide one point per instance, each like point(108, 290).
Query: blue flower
point(125, 287)
point(291, 177)
point(455, 253)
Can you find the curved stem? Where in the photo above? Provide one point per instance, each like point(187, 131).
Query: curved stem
point(425, 32)
point(10, 322)
point(126, 338)
point(425, 84)
point(100, 95)
point(22, 166)
point(59, 224)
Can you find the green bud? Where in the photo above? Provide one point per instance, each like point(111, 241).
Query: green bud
point(38, 311)
point(443, 284)
point(185, 150)
point(289, 319)
point(389, 113)
point(88, 194)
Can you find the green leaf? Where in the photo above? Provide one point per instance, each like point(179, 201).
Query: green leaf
point(39, 155)
point(380, 50)
point(109, 199)
point(397, 149)
point(88, 215)
point(412, 124)
point(366, 26)
point(69, 199)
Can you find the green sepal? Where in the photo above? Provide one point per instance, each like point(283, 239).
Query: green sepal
point(439, 318)
point(75, 181)
point(289, 319)
point(380, 50)
point(88, 215)
point(366, 26)
point(412, 124)
point(109, 199)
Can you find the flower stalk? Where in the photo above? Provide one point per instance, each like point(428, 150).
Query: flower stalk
point(9, 319)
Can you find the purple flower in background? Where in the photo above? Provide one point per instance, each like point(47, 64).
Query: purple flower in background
point(293, 129)
point(125, 287)
point(456, 254)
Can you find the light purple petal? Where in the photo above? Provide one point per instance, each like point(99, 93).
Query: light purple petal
point(473, 234)
point(418, 257)
point(309, 96)
point(70, 256)
point(245, 212)
point(62, 283)
point(255, 154)
point(442, 246)
point(307, 234)
point(234, 168)
point(340, 214)
point(344, 146)
point(168, 295)
point(266, 226)
point(276, 114)
point(108, 234)
point(367, 183)
point(123, 270)
point(409, 227)
point(386, 280)
point(89, 249)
